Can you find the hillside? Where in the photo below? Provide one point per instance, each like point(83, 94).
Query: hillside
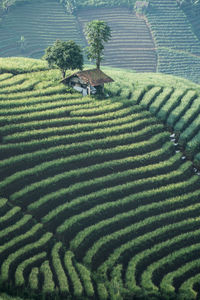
point(40, 23)
point(97, 201)
point(178, 48)
point(131, 45)
point(162, 41)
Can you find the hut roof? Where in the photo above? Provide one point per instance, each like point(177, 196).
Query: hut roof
point(94, 77)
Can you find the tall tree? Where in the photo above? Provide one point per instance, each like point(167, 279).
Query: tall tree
point(98, 33)
point(64, 55)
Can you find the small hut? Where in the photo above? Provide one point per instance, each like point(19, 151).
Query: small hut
point(88, 81)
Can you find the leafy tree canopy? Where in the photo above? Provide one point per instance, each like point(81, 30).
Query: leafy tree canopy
point(64, 55)
point(98, 33)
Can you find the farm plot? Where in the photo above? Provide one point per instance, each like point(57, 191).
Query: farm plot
point(193, 17)
point(131, 45)
point(95, 198)
point(179, 110)
point(40, 23)
point(177, 45)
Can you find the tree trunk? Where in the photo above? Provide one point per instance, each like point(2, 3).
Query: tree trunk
point(63, 73)
point(98, 61)
point(98, 65)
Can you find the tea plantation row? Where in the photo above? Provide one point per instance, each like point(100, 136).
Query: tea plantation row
point(96, 200)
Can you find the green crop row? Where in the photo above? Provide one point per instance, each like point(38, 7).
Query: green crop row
point(80, 127)
point(107, 193)
point(77, 286)
point(190, 131)
point(40, 115)
point(116, 286)
point(146, 276)
point(166, 285)
point(85, 276)
point(33, 278)
point(12, 112)
point(11, 213)
point(106, 144)
point(175, 40)
point(188, 117)
point(119, 186)
point(43, 186)
point(138, 94)
point(58, 194)
point(193, 146)
point(171, 104)
point(33, 93)
point(48, 284)
point(61, 121)
point(51, 113)
point(160, 100)
point(101, 110)
point(170, 259)
point(16, 80)
point(5, 76)
point(60, 273)
point(23, 103)
point(3, 202)
point(84, 233)
point(197, 160)
point(15, 226)
point(163, 194)
point(19, 277)
point(25, 86)
point(13, 256)
point(180, 110)
point(24, 65)
point(140, 126)
point(102, 291)
point(150, 96)
point(118, 235)
point(20, 237)
point(59, 112)
point(186, 290)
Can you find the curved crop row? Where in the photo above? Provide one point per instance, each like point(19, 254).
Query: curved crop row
point(178, 109)
point(108, 197)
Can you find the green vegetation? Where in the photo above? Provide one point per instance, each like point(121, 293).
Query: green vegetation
point(97, 201)
point(97, 33)
point(131, 45)
point(163, 41)
point(64, 55)
point(41, 23)
point(177, 46)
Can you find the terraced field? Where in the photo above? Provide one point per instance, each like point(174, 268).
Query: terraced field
point(174, 48)
point(96, 202)
point(193, 17)
point(178, 108)
point(41, 23)
point(131, 45)
point(178, 48)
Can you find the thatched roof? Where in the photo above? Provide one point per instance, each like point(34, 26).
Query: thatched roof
point(94, 77)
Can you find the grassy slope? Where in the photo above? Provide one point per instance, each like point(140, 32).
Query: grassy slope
point(64, 146)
